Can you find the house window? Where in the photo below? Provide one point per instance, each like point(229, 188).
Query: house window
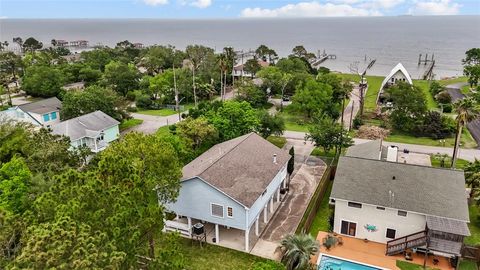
point(348, 228)
point(46, 117)
point(391, 233)
point(355, 205)
point(217, 210)
point(53, 115)
point(229, 211)
point(380, 208)
point(402, 213)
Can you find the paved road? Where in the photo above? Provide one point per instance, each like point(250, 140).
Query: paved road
point(353, 104)
point(467, 154)
point(152, 123)
point(455, 92)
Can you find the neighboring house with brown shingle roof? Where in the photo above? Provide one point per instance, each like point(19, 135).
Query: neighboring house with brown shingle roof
point(232, 183)
point(45, 112)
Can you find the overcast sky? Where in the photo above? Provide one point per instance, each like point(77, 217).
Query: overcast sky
point(231, 8)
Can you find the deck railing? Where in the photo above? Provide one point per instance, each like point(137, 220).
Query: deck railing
point(403, 243)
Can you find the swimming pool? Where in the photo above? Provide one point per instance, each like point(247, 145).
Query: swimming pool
point(327, 262)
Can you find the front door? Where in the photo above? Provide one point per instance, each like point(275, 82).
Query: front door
point(349, 228)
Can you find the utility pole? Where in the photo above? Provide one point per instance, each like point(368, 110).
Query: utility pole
point(351, 115)
point(177, 102)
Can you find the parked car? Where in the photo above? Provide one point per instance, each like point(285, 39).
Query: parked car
point(286, 98)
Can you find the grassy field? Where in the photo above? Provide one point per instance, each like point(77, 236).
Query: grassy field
point(278, 141)
point(467, 140)
point(320, 223)
point(454, 80)
point(130, 123)
point(403, 265)
point(165, 130)
point(474, 226)
point(374, 83)
point(212, 257)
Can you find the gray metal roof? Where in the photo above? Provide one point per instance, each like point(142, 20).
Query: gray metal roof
point(368, 150)
point(448, 225)
point(426, 190)
point(88, 125)
point(42, 106)
point(242, 167)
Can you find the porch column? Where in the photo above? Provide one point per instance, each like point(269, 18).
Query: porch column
point(271, 204)
point(189, 225)
point(284, 183)
point(217, 234)
point(256, 227)
point(278, 194)
point(265, 214)
point(247, 240)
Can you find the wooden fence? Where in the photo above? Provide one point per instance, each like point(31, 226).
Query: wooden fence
point(315, 202)
point(471, 253)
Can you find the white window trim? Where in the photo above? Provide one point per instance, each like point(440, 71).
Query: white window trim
point(227, 212)
point(223, 210)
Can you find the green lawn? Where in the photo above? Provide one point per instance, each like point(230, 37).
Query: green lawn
point(467, 140)
point(162, 112)
point(294, 121)
point(403, 265)
point(474, 226)
point(436, 160)
point(374, 83)
point(130, 123)
point(454, 80)
point(278, 141)
point(212, 257)
point(165, 130)
point(467, 265)
point(320, 223)
point(425, 86)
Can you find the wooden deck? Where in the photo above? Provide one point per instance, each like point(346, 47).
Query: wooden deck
point(374, 254)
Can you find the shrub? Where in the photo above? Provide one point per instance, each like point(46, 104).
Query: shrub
point(436, 88)
point(447, 108)
point(443, 97)
point(131, 96)
point(144, 102)
point(357, 122)
point(132, 109)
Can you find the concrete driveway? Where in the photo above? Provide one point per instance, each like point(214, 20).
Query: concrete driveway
point(307, 175)
point(152, 123)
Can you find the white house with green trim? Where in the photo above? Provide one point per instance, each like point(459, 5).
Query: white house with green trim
point(95, 130)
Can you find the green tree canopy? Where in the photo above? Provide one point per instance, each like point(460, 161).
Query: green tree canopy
point(249, 92)
point(35, 83)
point(328, 134)
point(197, 132)
point(93, 98)
point(121, 77)
point(409, 106)
point(312, 97)
point(270, 124)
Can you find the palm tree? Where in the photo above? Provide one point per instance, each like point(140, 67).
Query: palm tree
point(298, 248)
point(222, 63)
point(467, 111)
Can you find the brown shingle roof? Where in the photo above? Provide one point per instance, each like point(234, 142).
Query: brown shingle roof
point(242, 167)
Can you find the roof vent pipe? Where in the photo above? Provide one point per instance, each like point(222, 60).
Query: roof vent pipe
point(275, 158)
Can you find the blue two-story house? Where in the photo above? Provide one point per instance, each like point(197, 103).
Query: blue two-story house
point(43, 113)
point(232, 186)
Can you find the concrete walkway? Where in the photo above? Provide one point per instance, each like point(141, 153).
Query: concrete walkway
point(307, 175)
point(467, 154)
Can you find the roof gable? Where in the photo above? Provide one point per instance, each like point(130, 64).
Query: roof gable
point(42, 106)
point(398, 68)
point(242, 167)
point(88, 125)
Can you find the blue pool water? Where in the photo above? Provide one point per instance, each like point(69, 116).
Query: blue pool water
point(330, 263)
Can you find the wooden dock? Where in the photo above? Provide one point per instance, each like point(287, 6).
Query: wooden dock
point(322, 58)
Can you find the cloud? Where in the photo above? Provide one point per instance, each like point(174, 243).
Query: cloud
point(201, 3)
point(155, 2)
point(196, 3)
point(376, 4)
point(309, 9)
point(435, 7)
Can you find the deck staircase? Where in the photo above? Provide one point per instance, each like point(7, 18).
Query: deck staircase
point(403, 243)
